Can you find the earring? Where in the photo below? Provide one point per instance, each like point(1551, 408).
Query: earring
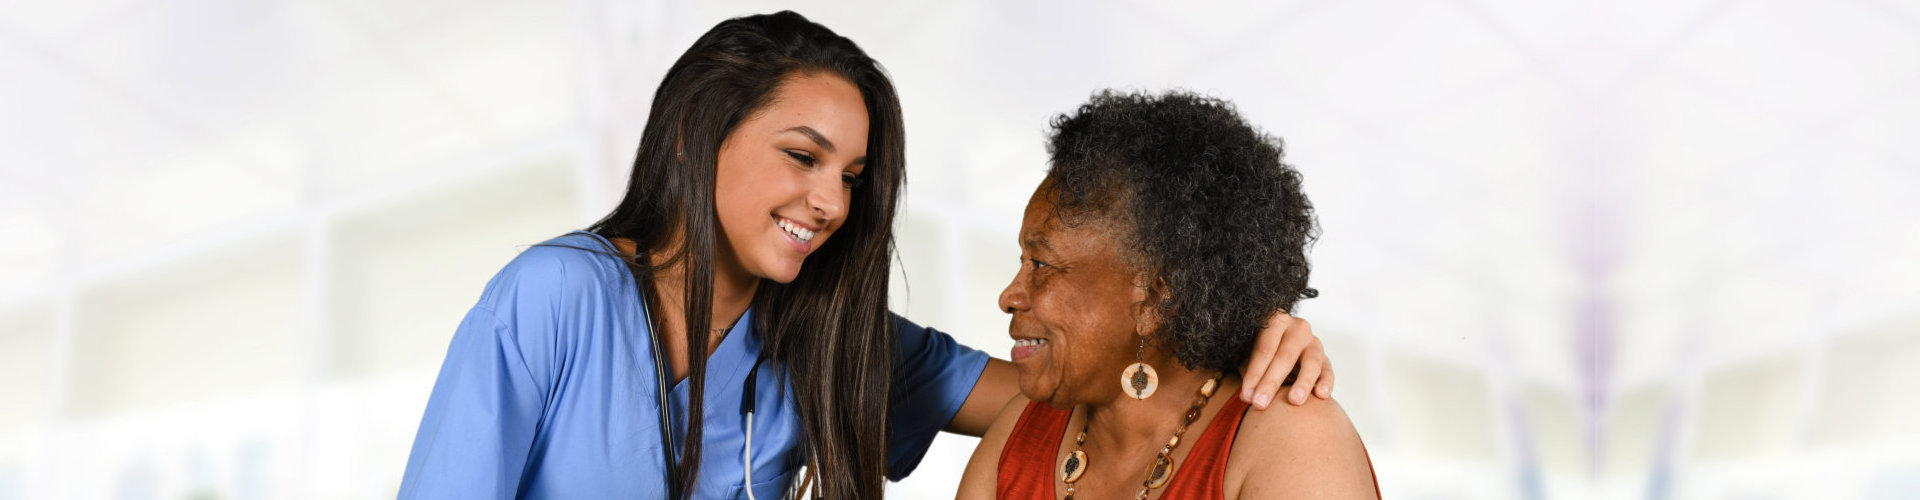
point(1139, 380)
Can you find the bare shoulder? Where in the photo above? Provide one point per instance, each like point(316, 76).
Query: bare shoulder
point(1306, 451)
point(1002, 427)
point(983, 470)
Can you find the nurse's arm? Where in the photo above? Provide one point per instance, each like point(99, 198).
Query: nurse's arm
point(997, 385)
point(1287, 346)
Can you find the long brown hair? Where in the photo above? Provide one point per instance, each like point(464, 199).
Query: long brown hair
point(829, 328)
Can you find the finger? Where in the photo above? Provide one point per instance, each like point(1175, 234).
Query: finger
point(1321, 385)
point(1278, 371)
point(1264, 348)
point(1325, 388)
point(1309, 374)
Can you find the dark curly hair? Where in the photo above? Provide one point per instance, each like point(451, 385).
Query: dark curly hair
point(1200, 200)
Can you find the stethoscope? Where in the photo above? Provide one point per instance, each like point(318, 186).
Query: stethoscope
point(661, 387)
point(666, 419)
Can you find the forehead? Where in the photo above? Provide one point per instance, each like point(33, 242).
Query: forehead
point(1042, 227)
point(1038, 222)
point(824, 101)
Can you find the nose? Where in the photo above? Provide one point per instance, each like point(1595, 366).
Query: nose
point(829, 199)
point(1014, 297)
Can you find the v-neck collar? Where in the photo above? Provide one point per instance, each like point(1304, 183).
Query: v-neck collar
point(726, 367)
point(731, 359)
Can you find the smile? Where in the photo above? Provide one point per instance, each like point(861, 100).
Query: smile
point(799, 233)
point(1024, 348)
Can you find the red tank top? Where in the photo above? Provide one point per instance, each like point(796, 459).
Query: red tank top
point(1027, 462)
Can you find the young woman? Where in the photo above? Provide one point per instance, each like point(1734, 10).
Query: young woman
point(726, 325)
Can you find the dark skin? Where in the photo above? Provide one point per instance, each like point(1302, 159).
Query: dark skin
point(1077, 293)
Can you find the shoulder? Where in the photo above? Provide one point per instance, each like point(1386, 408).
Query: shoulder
point(924, 355)
point(1310, 450)
point(572, 256)
point(982, 476)
point(997, 434)
point(1009, 417)
point(564, 273)
point(571, 262)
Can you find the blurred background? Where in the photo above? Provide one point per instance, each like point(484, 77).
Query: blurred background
point(1632, 249)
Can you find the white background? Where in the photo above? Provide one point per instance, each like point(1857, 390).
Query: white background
point(1627, 249)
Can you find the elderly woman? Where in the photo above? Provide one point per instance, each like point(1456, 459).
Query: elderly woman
point(1165, 235)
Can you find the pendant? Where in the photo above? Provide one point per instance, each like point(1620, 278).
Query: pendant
point(1158, 475)
point(1139, 381)
point(1073, 467)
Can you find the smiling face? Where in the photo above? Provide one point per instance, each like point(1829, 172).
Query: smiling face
point(786, 174)
point(1074, 322)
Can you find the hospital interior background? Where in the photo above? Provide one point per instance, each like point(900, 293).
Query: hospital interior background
point(1629, 249)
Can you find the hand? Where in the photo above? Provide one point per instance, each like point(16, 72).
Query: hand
point(1286, 340)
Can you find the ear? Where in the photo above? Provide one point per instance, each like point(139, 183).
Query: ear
point(1148, 294)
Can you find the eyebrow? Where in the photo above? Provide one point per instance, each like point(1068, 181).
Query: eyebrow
point(822, 141)
point(813, 134)
point(1035, 239)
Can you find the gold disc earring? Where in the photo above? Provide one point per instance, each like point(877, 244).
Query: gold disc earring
point(1139, 380)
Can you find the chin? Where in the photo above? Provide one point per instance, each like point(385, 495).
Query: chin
point(1037, 390)
point(782, 278)
point(782, 272)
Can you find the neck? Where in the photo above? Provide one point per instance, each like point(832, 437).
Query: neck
point(733, 291)
point(732, 294)
point(1146, 423)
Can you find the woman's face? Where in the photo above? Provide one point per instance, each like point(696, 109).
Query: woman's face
point(1073, 308)
point(784, 176)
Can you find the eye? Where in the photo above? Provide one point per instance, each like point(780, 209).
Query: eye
point(1038, 264)
point(853, 180)
point(801, 156)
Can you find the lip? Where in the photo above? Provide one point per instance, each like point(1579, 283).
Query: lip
point(1023, 352)
point(798, 246)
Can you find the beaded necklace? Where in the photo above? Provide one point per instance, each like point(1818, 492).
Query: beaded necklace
point(1075, 464)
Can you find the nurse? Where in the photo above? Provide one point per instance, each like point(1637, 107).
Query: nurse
point(679, 348)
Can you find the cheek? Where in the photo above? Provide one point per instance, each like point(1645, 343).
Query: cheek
point(1077, 333)
point(747, 192)
point(1095, 341)
point(741, 181)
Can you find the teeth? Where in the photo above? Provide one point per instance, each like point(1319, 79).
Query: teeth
point(1028, 342)
point(798, 232)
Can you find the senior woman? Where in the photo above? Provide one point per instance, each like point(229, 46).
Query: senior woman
point(1166, 233)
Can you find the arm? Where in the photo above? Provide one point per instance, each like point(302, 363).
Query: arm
point(998, 384)
point(480, 419)
point(487, 401)
point(1286, 340)
point(1306, 451)
point(983, 471)
point(934, 377)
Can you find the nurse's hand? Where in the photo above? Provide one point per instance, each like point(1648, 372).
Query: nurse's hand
point(1286, 341)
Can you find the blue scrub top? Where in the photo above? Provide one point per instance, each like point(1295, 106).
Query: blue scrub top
point(548, 392)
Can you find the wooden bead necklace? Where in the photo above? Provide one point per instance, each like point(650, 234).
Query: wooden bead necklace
point(1075, 464)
